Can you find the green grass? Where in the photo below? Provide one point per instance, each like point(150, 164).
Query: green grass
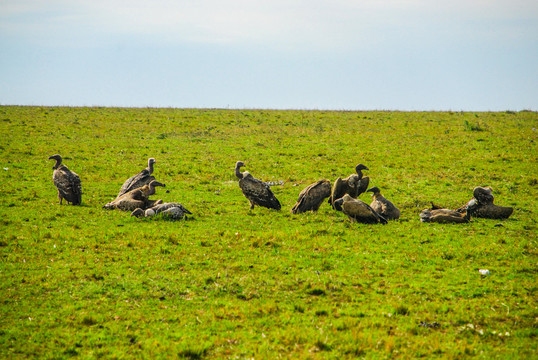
point(81, 281)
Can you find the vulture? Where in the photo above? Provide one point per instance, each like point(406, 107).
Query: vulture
point(485, 207)
point(446, 216)
point(171, 211)
point(256, 191)
point(354, 185)
point(358, 211)
point(311, 198)
point(383, 206)
point(144, 177)
point(66, 181)
point(136, 198)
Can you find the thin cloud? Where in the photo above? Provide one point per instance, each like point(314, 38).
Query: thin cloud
point(288, 24)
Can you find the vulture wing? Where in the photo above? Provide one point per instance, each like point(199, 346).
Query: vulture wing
point(312, 196)
point(339, 189)
point(136, 181)
point(363, 185)
point(167, 206)
point(361, 212)
point(68, 184)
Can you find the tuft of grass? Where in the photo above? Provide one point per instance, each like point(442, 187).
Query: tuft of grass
point(472, 127)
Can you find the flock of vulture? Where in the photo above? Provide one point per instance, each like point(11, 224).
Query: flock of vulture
point(343, 195)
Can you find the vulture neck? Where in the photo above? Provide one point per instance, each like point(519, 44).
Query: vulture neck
point(58, 163)
point(150, 168)
point(238, 173)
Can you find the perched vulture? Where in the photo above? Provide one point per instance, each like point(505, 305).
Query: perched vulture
point(66, 181)
point(354, 185)
point(486, 208)
point(311, 198)
point(144, 177)
point(171, 211)
point(256, 191)
point(446, 215)
point(136, 198)
point(358, 211)
point(383, 206)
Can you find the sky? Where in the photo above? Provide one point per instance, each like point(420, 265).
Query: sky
point(458, 55)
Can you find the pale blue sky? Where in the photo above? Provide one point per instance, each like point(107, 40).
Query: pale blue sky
point(273, 54)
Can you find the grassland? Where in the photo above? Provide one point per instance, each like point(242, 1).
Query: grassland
point(84, 282)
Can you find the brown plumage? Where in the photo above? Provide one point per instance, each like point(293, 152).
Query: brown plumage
point(144, 177)
point(485, 207)
point(136, 198)
point(256, 191)
point(443, 216)
point(354, 185)
point(67, 182)
point(358, 211)
point(311, 198)
point(383, 206)
point(446, 216)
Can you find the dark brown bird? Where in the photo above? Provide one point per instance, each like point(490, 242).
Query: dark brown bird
point(311, 198)
point(144, 177)
point(136, 198)
point(66, 181)
point(358, 211)
point(383, 206)
point(354, 185)
point(256, 191)
point(486, 208)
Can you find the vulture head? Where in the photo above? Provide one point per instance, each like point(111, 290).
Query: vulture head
point(152, 185)
point(151, 161)
point(340, 201)
point(375, 190)
point(138, 212)
point(360, 167)
point(238, 166)
point(58, 159)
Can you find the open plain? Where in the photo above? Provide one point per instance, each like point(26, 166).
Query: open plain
point(229, 282)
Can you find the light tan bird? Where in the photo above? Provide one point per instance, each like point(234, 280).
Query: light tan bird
point(383, 206)
point(446, 216)
point(67, 182)
point(136, 198)
point(358, 211)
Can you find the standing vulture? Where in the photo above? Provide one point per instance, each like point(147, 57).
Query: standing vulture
point(312, 197)
point(66, 181)
point(354, 185)
point(358, 211)
point(144, 177)
point(256, 191)
point(171, 211)
point(136, 198)
point(383, 206)
point(485, 207)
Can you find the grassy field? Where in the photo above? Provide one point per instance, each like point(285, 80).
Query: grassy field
point(84, 282)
